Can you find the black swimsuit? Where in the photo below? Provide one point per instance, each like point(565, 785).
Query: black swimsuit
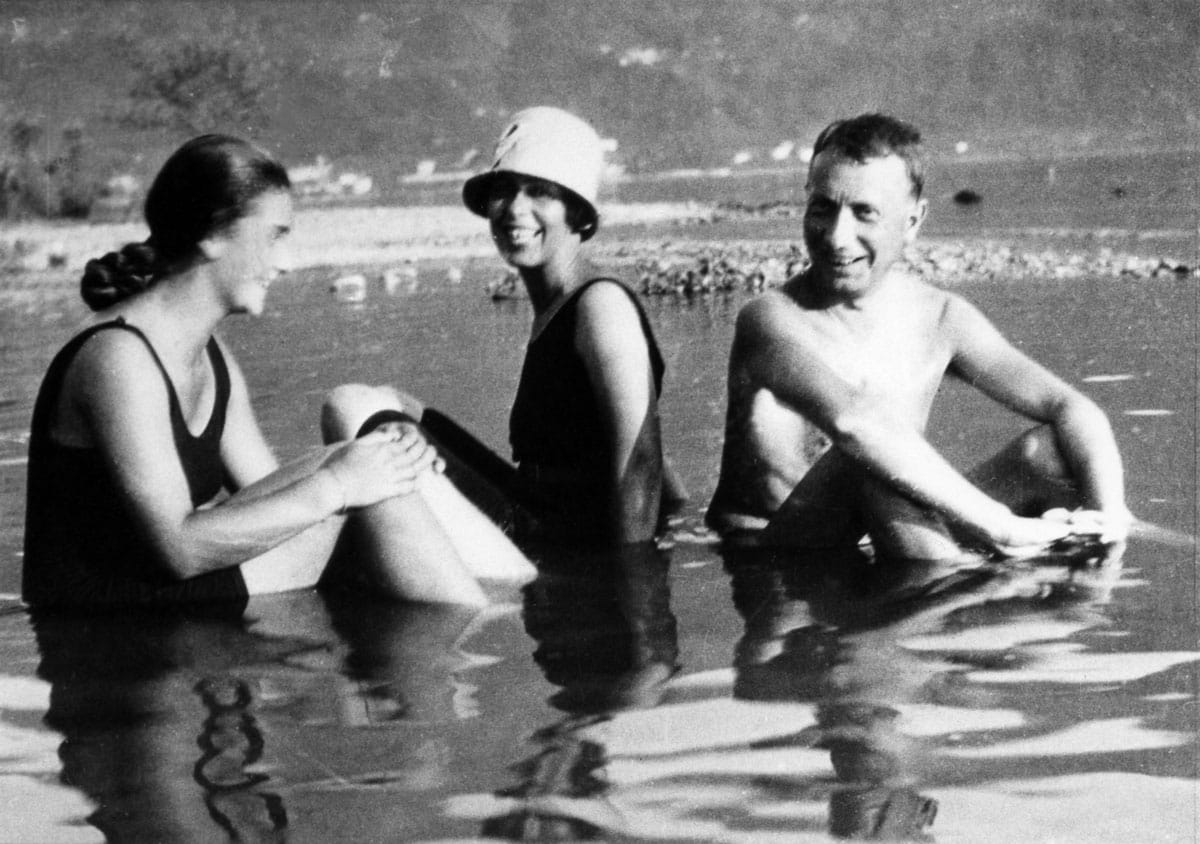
point(557, 430)
point(82, 545)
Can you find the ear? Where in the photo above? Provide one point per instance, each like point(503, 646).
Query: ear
point(213, 247)
point(916, 216)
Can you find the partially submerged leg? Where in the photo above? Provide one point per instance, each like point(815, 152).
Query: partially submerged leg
point(822, 511)
point(299, 562)
point(901, 529)
point(836, 502)
point(1029, 475)
point(430, 545)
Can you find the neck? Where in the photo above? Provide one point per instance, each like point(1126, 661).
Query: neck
point(811, 291)
point(550, 283)
point(178, 314)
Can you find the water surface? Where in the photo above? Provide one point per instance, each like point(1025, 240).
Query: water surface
point(685, 696)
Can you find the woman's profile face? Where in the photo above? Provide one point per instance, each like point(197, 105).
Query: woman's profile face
point(253, 252)
point(528, 219)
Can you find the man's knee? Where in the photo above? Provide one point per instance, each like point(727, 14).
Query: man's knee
point(1037, 452)
point(900, 528)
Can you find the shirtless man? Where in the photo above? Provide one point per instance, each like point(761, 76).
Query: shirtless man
point(850, 353)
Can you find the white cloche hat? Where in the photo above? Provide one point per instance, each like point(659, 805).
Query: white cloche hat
point(547, 143)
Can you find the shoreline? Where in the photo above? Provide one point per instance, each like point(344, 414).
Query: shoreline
point(40, 256)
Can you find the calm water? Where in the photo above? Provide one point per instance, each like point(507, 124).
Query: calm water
point(686, 697)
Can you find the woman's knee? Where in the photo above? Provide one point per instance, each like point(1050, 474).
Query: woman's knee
point(348, 406)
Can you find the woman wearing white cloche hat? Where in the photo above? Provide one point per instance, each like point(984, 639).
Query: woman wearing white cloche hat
point(584, 427)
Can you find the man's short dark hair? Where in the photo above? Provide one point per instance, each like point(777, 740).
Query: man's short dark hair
point(876, 136)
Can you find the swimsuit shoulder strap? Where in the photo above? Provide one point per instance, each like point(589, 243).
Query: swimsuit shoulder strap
point(216, 423)
point(176, 410)
point(656, 359)
point(47, 398)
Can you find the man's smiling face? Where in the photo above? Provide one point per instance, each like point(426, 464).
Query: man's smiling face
point(859, 218)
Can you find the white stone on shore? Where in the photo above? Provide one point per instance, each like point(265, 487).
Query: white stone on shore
point(350, 288)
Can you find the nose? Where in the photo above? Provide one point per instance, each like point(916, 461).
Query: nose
point(283, 262)
point(520, 201)
point(505, 203)
point(839, 230)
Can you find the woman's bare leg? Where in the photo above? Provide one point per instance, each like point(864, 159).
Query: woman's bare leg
point(434, 542)
point(299, 562)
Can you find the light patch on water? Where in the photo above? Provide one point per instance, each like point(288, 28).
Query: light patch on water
point(1108, 379)
point(1150, 411)
point(997, 637)
point(772, 762)
point(1103, 808)
point(696, 538)
point(933, 720)
point(673, 811)
point(700, 725)
point(45, 811)
point(1058, 665)
point(29, 751)
point(605, 812)
point(719, 679)
point(1114, 735)
point(1169, 697)
point(27, 693)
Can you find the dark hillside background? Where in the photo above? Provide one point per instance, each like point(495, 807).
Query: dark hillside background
point(380, 86)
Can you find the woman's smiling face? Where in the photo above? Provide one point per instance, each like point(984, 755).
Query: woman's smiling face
point(528, 219)
point(254, 252)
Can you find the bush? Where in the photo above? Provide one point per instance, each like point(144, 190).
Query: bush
point(35, 183)
point(196, 87)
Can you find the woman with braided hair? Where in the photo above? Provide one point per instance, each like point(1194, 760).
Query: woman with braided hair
point(150, 481)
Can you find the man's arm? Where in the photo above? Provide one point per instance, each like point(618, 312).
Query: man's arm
point(777, 351)
point(984, 358)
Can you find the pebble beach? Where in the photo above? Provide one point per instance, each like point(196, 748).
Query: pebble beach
point(681, 248)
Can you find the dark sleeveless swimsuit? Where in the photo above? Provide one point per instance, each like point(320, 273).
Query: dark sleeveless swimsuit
point(557, 432)
point(558, 492)
point(82, 545)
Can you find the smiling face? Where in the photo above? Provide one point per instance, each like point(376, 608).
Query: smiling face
point(528, 219)
point(253, 252)
point(858, 219)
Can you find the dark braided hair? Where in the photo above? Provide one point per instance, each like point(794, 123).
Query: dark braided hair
point(205, 186)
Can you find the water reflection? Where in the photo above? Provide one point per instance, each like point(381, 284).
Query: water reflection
point(831, 630)
point(159, 729)
point(606, 638)
point(207, 725)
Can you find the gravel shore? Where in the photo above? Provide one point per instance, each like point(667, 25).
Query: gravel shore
point(673, 248)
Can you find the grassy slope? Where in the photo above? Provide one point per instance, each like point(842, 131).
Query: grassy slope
point(381, 85)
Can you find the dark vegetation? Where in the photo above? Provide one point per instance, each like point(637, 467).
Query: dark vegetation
point(89, 90)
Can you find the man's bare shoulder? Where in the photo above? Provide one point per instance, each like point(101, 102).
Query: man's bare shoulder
point(773, 311)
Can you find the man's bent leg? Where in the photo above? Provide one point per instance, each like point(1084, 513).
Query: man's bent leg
point(836, 502)
point(823, 511)
point(1028, 475)
point(901, 529)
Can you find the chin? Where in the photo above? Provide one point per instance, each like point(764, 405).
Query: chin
point(519, 258)
point(249, 308)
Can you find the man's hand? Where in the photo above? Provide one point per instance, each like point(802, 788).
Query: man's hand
point(1024, 537)
point(1104, 526)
